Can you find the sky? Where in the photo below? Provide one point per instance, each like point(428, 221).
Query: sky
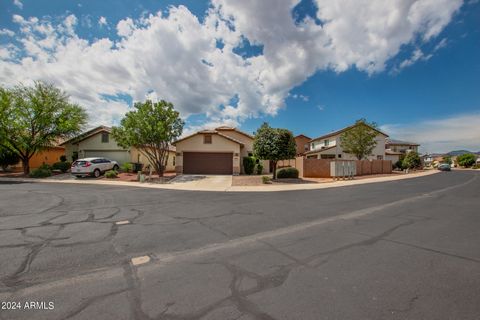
point(312, 66)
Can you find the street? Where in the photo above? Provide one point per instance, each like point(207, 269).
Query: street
point(406, 249)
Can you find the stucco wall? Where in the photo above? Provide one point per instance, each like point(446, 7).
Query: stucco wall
point(91, 143)
point(136, 156)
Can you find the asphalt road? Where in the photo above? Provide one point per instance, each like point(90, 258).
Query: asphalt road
point(408, 249)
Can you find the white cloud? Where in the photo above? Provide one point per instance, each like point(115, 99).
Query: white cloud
point(102, 21)
point(441, 135)
point(6, 32)
point(176, 56)
point(416, 56)
point(18, 3)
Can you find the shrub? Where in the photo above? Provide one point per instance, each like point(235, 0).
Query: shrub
point(248, 164)
point(477, 166)
point(41, 172)
point(62, 166)
point(63, 158)
point(111, 174)
point(259, 168)
point(8, 158)
point(411, 161)
point(127, 167)
point(466, 160)
point(266, 179)
point(398, 164)
point(287, 173)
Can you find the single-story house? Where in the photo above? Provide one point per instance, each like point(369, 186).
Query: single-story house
point(48, 156)
point(98, 142)
point(218, 151)
point(328, 146)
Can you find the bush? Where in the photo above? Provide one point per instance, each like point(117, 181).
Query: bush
point(477, 166)
point(41, 172)
point(248, 164)
point(63, 158)
point(111, 174)
point(8, 158)
point(62, 166)
point(266, 179)
point(398, 165)
point(411, 161)
point(466, 160)
point(259, 168)
point(127, 167)
point(287, 173)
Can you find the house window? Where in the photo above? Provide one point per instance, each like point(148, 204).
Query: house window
point(326, 142)
point(306, 147)
point(379, 157)
point(174, 160)
point(105, 137)
point(250, 154)
point(327, 156)
point(207, 139)
point(339, 156)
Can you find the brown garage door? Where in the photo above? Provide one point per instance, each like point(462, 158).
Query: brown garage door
point(207, 163)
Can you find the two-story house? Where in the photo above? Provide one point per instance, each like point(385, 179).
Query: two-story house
point(328, 146)
point(396, 148)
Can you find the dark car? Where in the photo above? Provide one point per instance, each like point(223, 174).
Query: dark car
point(444, 167)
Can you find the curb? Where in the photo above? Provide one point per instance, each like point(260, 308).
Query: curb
point(274, 188)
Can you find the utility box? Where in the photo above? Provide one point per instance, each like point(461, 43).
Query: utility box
point(343, 169)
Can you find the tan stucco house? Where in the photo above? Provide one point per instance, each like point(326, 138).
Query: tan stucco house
point(328, 146)
point(98, 142)
point(218, 151)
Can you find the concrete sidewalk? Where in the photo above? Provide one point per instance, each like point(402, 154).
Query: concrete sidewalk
point(223, 183)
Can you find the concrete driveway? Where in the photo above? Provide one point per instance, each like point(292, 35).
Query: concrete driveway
point(407, 249)
point(202, 182)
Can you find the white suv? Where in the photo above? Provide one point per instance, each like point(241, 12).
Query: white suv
point(92, 167)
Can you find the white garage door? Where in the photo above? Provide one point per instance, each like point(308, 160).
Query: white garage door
point(121, 156)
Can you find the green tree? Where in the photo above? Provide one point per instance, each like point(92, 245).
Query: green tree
point(274, 144)
point(33, 118)
point(447, 160)
point(411, 160)
point(466, 160)
point(360, 139)
point(8, 158)
point(150, 128)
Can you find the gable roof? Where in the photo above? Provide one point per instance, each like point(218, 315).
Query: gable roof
point(302, 135)
point(87, 134)
point(209, 132)
point(319, 150)
point(226, 128)
point(400, 142)
point(334, 133)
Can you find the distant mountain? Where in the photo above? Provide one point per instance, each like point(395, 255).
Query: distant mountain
point(459, 152)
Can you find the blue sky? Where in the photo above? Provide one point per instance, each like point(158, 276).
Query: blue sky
point(411, 66)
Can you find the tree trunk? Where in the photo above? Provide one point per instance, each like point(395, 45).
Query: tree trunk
point(274, 170)
point(26, 166)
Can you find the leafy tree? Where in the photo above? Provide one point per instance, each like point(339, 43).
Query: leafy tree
point(466, 160)
point(360, 140)
point(274, 144)
point(447, 160)
point(411, 160)
point(150, 128)
point(34, 118)
point(8, 158)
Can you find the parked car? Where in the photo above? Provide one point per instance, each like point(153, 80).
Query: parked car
point(444, 167)
point(92, 167)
